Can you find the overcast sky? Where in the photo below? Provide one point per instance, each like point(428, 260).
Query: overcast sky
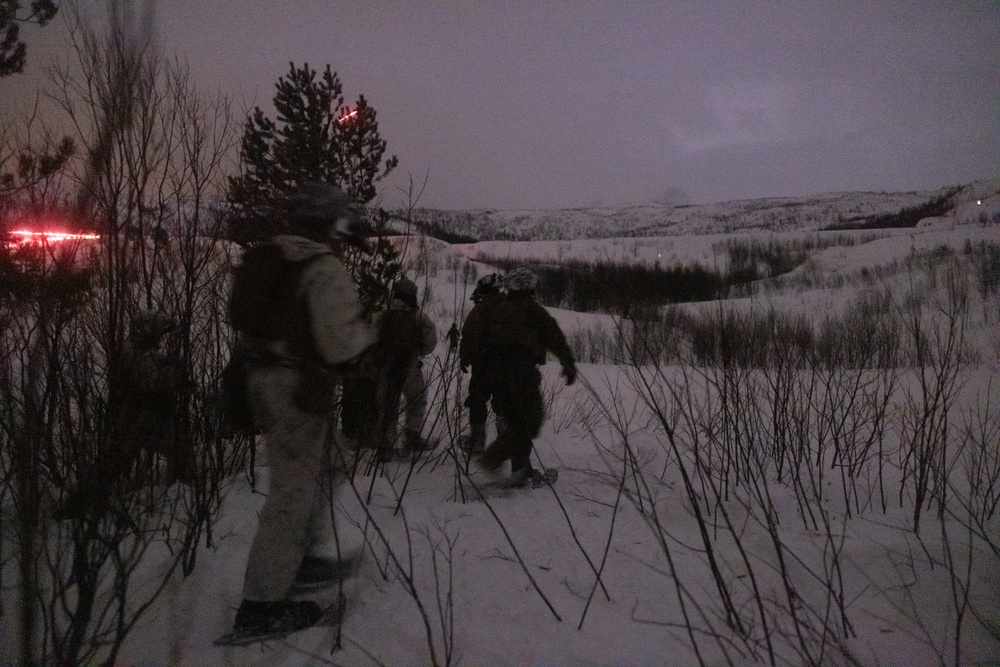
point(544, 103)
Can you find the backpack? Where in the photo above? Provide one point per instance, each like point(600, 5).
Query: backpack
point(400, 336)
point(513, 328)
point(261, 303)
point(400, 333)
point(260, 285)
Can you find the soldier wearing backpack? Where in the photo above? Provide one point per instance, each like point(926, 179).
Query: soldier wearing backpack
point(148, 380)
point(297, 310)
point(474, 352)
point(393, 363)
point(520, 332)
point(152, 380)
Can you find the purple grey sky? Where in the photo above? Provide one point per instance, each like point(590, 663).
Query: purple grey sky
point(545, 103)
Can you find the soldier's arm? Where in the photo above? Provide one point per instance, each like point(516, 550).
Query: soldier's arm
point(468, 343)
point(554, 341)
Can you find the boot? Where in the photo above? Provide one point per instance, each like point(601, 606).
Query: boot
point(384, 455)
point(490, 461)
point(477, 439)
point(413, 443)
point(254, 618)
point(518, 478)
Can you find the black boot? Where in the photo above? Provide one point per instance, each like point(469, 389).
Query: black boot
point(477, 439)
point(257, 618)
point(519, 477)
point(413, 443)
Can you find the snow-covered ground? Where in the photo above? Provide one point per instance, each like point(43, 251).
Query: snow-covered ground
point(616, 564)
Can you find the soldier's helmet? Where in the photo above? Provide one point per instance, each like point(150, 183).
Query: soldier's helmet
point(488, 284)
point(325, 207)
point(521, 280)
point(406, 291)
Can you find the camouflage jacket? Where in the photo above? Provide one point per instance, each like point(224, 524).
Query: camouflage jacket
point(520, 326)
point(471, 343)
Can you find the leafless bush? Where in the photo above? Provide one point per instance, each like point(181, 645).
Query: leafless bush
point(938, 349)
point(153, 164)
point(756, 425)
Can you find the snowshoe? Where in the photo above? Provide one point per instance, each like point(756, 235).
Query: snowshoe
point(415, 446)
point(543, 477)
point(529, 478)
point(475, 442)
point(271, 621)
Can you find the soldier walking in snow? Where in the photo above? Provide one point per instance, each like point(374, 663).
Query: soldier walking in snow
point(152, 380)
point(147, 381)
point(473, 353)
point(519, 333)
point(299, 338)
point(405, 335)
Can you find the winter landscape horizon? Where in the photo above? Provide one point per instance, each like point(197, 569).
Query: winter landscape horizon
point(802, 469)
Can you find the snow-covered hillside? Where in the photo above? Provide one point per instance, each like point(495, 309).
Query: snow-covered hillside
point(703, 515)
point(971, 203)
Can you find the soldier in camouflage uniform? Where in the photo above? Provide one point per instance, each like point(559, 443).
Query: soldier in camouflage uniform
point(152, 380)
point(520, 333)
point(147, 380)
point(291, 388)
point(405, 335)
point(474, 353)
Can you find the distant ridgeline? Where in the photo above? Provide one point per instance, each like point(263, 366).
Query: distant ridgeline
point(825, 212)
point(427, 222)
point(905, 217)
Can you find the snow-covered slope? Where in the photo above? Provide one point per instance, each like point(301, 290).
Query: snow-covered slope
point(777, 215)
point(598, 570)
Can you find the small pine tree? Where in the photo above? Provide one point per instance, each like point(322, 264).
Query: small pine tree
point(315, 138)
point(375, 270)
point(33, 166)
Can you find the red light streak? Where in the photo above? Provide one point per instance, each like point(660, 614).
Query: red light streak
point(27, 236)
point(347, 116)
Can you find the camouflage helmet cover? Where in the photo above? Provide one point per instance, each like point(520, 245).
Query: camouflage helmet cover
point(488, 284)
point(151, 322)
point(325, 207)
point(521, 280)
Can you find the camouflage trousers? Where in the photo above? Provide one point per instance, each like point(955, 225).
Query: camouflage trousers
point(517, 401)
point(373, 402)
point(296, 519)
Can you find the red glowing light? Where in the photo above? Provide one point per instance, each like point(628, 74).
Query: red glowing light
point(347, 116)
point(27, 236)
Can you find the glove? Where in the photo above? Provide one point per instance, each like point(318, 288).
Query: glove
point(569, 372)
